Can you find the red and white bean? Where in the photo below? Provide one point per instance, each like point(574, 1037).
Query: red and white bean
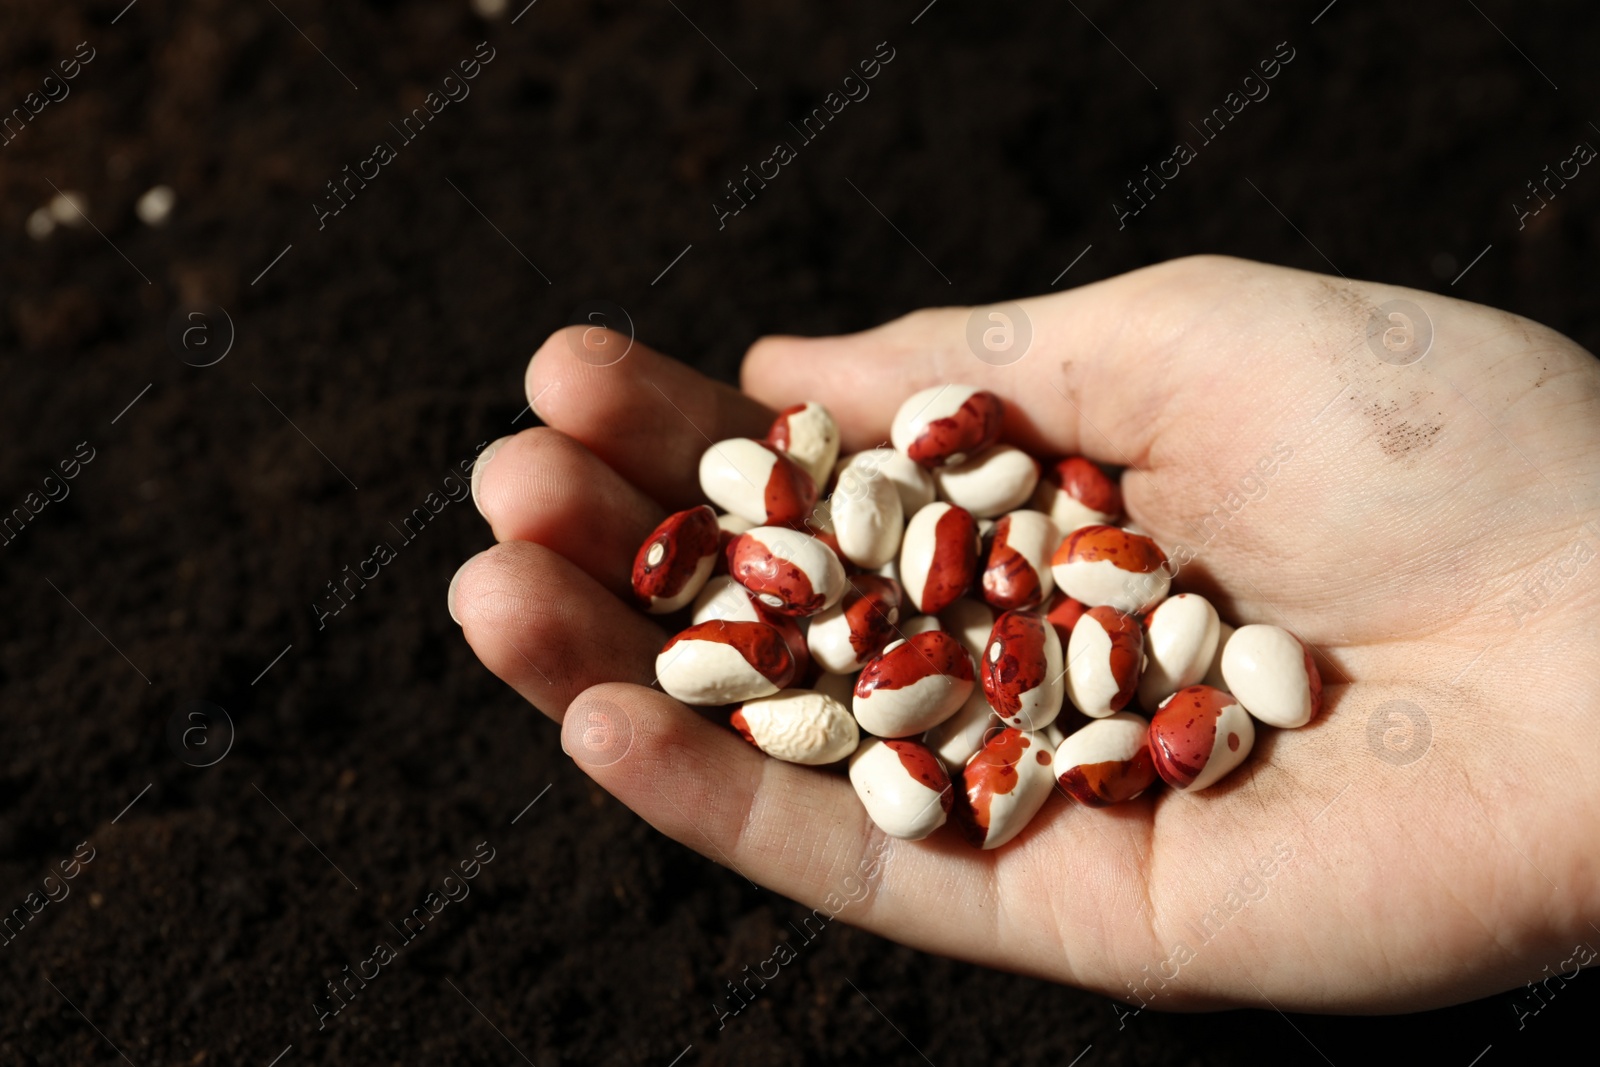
point(1104, 565)
point(807, 434)
point(946, 424)
point(788, 571)
point(1021, 670)
point(997, 480)
point(1180, 640)
point(1104, 659)
point(1198, 735)
point(756, 482)
point(903, 786)
point(844, 637)
point(939, 557)
point(798, 726)
point(1270, 671)
point(1003, 787)
point(1016, 572)
point(722, 662)
point(913, 686)
point(674, 562)
point(1107, 761)
point(1075, 492)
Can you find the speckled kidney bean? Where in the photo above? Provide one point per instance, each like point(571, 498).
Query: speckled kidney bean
point(1021, 670)
point(755, 481)
point(903, 786)
point(721, 662)
point(1003, 787)
point(1075, 492)
point(1107, 761)
point(788, 571)
point(798, 726)
point(844, 637)
point(1104, 565)
point(1106, 654)
point(997, 480)
point(913, 685)
point(1270, 671)
point(807, 434)
point(674, 562)
point(946, 424)
point(939, 556)
point(1180, 641)
point(1198, 735)
point(1016, 572)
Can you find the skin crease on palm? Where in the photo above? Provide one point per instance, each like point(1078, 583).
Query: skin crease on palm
point(1416, 509)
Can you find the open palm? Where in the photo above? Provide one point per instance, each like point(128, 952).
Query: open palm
point(1426, 526)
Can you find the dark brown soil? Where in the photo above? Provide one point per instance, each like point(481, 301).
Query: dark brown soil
point(192, 547)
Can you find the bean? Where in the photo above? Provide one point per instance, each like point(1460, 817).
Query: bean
point(946, 424)
point(1105, 656)
point(1064, 613)
point(720, 662)
point(1021, 670)
point(1016, 571)
point(1107, 761)
point(939, 556)
point(1003, 787)
point(1213, 676)
point(790, 572)
point(960, 736)
point(968, 621)
point(1104, 565)
point(868, 520)
point(1075, 492)
point(903, 786)
point(999, 479)
point(1270, 671)
point(798, 726)
point(807, 434)
point(913, 685)
point(844, 637)
point(1198, 735)
point(674, 562)
point(1181, 641)
point(756, 482)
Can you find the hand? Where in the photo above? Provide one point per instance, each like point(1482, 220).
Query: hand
point(1430, 529)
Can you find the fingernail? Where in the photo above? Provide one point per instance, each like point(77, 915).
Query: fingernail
point(477, 470)
point(450, 594)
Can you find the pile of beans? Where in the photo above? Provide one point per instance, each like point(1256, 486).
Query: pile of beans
point(927, 621)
